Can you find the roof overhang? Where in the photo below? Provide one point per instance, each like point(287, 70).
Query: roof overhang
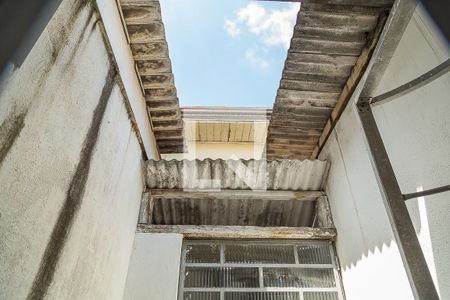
point(145, 29)
point(331, 46)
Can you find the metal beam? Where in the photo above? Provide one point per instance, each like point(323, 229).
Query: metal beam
point(414, 84)
point(405, 235)
point(437, 190)
point(241, 232)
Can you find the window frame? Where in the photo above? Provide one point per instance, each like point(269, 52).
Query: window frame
point(334, 265)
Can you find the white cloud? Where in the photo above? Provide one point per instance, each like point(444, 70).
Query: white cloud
point(253, 16)
point(274, 27)
point(231, 28)
point(254, 58)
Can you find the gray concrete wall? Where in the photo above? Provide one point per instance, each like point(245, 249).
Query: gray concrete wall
point(415, 131)
point(70, 166)
point(154, 267)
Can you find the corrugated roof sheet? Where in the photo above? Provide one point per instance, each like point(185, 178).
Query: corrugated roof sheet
point(295, 175)
point(241, 212)
point(328, 39)
point(150, 51)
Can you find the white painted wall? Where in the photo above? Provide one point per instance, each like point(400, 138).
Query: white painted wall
point(416, 133)
point(46, 109)
point(154, 267)
point(110, 15)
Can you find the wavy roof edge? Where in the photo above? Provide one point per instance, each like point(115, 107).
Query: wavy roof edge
point(217, 174)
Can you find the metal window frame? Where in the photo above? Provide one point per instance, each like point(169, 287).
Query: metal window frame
point(294, 243)
point(404, 232)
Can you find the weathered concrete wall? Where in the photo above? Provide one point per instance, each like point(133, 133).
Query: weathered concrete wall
point(154, 267)
point(70, 166)
point(415, 130)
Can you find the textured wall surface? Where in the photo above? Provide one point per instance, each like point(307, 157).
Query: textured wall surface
point(415, 130)
point(70, 166)
point(154, 267)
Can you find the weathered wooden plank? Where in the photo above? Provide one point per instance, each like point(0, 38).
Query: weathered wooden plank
point(318, 112)
point(209, 132)
point(313, 86)
point(325, 60)
point(146, 33)
point(168, 125)
point(299, 140)
point(246, 128)
point(338, 20)
point(328, 34)
point(320, 78)
point(350, 86)
point(138, 2)
point(289, 155)
point(157, 81)
point(323, 213)
point(322, 46)
point(171, 150)
point(164, 93)
point(149, 47)
point(151, 206)
point(242, 232)
point(233, 132)
point(169, 134)
point(286, 152)
point(166, 104)
point(135, 15)
point(339, 9)
point(150, 51)
point(169, 115)
point(306, 95)
point(236, 195)
point(371, 3)
point(154, 66)
point(143, 210)
point(225, 130)
point(313, 67)
point(283, 149)
point(283, 132)
point(169, 142)
point(251, 133)
point(298, 124)
point(217, 129)
point(202, 132)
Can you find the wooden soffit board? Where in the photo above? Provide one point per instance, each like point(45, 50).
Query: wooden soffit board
point(148, 44)
point(328, 51)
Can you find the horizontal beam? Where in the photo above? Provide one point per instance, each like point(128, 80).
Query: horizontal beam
point(236, 194)
point(414, 84)
point(242, 232)
point(376, 3)
point(441, 189)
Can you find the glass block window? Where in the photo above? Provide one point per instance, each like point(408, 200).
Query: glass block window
point(259, 270)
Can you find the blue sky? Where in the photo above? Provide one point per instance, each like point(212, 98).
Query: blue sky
point(227, 52)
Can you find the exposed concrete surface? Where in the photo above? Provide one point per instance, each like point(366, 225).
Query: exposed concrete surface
point(154, 267)
point(415, 130)
point(47, 108)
